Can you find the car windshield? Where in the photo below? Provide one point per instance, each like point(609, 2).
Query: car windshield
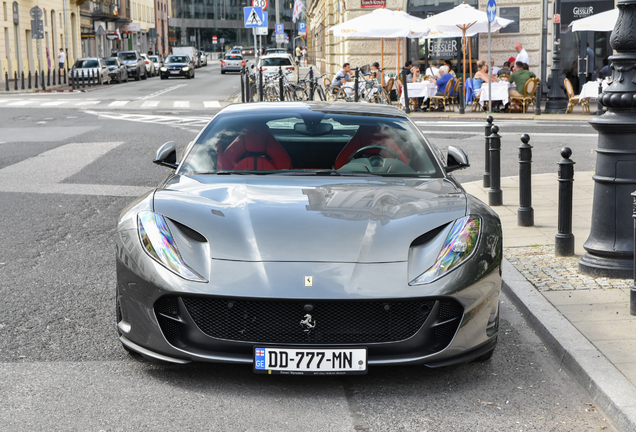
point(127, 56)
point(233, 57)
point(177, 59)
point(275, 51)
point(83, 64)
point(275, 61)
point(311, 142)
point(154, 59)
point(111, 61)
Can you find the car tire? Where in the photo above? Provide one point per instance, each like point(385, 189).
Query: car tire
point(138, 75)
point(163, 77)
point(144, 76)
point(222, 72)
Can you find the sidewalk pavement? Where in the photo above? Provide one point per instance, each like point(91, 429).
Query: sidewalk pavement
point(585, 321)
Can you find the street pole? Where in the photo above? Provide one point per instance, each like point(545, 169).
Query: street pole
point(557, 100)
point(278, 44)
point(610, 245)
point(66, 33)
point(489, 72)
point(544, 48)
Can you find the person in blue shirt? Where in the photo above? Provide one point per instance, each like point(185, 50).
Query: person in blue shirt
point(342, 76)
point(445, 76)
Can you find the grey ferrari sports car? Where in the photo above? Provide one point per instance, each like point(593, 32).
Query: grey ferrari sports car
point(309, 238)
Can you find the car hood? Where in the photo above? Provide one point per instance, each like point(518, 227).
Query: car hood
point(323, 220)
point(176, 64)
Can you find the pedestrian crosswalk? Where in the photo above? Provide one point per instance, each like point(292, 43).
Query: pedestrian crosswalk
point(109, 104)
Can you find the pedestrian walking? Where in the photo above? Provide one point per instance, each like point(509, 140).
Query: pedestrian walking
point(305, 55)
point(61, 59)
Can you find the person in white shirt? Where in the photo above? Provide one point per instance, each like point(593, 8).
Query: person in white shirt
point(61, 59)
point(432, 71)
point(522, 55)
point(494, 68)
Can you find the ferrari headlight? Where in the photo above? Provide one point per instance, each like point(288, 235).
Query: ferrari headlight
point(160, 245)
point(459, 245)
point(185, 68)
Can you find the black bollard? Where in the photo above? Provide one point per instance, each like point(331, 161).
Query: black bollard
point(22, 73)
point(260, 84)
point(59, 76)
point(311, 83)
point(48, 78)
point(495, 194)
point(487, 132)
point(248, 87)
point(42, 78)
point(66, 71)
point(564, 239)
point(462, 98)
point(632, 291)
point(84, 78)
point(91, 83)
point(356, 96)
point(280, 84)
point(407, 105)
point(15, 80)
point(537, 105)
point(525, 212)
point(54, 77)
point(6, 80)
point(73, 81)
point(242, 85)
point(30, 80)
point(37, 78)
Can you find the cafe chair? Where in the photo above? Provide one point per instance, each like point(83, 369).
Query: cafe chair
point(526, 97)
point(575, 99)
point(503, 77)
point(445, 98)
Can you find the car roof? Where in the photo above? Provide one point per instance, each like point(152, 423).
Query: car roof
point(350, 108)
point(276, 55)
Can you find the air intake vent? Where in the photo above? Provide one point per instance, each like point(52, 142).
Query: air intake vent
point(189, 232)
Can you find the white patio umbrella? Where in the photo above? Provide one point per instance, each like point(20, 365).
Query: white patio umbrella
point(382, 23)
point(462, 20)
point(604, 21)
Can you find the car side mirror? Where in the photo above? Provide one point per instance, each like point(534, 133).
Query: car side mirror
point(252, 66)
point(167, 156)
point(456, 159)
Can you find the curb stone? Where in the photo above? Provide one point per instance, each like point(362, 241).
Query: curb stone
point(609, 388)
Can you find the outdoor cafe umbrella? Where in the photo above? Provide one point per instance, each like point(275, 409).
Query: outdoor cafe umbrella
point(382, 23)
point(604, 21)
point(462, 20)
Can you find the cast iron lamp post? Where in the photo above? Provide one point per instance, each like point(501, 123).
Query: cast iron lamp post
point(610, 246)
point(557, 100)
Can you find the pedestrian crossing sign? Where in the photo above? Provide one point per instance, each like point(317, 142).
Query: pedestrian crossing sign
point(253, 16)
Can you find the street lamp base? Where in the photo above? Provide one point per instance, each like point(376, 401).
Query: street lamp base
point(599, 266)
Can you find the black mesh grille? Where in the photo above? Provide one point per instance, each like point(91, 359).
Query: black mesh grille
point(169, 327)
point(167, 305)
point(335, 322)
point(451, 312)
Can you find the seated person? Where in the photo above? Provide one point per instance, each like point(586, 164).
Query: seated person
point(432, 71)
point(605, 70)
point(449, 64)
point(505, 70)
point(342, 76)
point(444, 77)
point(408, 67)
point(374, 73)
point(482, 75)
point(519, 77)
point(494, 68)
point(413, 78)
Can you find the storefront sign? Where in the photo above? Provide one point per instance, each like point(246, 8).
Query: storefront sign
point(131, 27)
point(112, 36)
point(373, 3)
point(511, 13)
point(443, 48)
point(575, 10)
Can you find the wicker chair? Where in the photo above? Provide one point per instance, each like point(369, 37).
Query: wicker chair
point(575, 99)
point(526, 97)
point(445, 98)
point(504, 77)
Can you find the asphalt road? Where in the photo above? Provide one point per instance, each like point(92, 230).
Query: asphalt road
point(66, 174)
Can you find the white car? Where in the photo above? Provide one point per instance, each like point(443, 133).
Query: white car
point(150, 66)
point(94, 67)
point(157, 61)
point(271, 62)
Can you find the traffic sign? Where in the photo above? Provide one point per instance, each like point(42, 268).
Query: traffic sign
point(37, 29)
point(279, 29)
point(100, 31)
point(491, 10)
point(214, 39)
point(265, 20)
point(253, 17)
point(260, 3)
point(35, 12)
point(260, 31)
point(302, 28)
point(280, 38)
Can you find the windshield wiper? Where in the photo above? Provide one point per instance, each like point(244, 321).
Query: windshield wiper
point(326, 172)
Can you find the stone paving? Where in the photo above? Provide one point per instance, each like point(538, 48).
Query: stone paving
point(547, 272)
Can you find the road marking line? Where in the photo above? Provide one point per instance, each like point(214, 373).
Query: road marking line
point(55, 103)
point(118, 103)
point(21, 103)
point(181, 104)
point(160, 92)
point(211, 104)
point(87, 103)
point(150, 104)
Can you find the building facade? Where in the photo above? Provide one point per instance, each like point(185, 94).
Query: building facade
point(19, 51)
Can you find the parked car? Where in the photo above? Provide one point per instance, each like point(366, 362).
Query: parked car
point(189, 51)
point(275, 51)
point(269, 64)
point(176, 66)
point(203, 58)
point(232, 63)
point(150, 66)
point(116, 70)
point(309, 238)
point(158, 61)
point(134, 63)
point(88, 67)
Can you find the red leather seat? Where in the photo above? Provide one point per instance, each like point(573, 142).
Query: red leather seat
point(254, 150)
point(366, 136)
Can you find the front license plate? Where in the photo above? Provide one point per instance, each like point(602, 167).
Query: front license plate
point(328, 361)
point(174, 72)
